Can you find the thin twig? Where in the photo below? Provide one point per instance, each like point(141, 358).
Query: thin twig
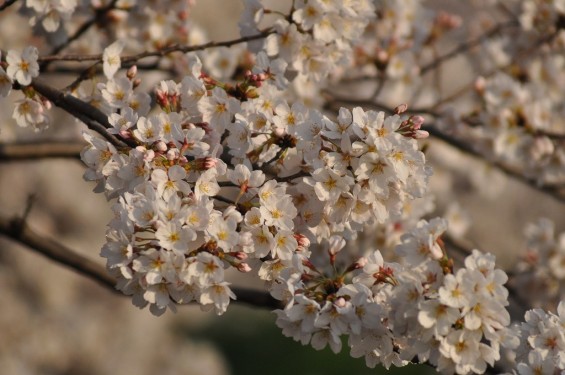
point(160, 53)
point(553, 192)
point(335, 101)
point(43, 150)
point(18, 231)
point(99, 13)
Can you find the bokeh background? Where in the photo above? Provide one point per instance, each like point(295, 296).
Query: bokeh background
point(55, 321)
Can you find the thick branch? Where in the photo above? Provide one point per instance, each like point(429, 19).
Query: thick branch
point(31, 151)
point(93, 118)
point(18, 231)
point(6, 4)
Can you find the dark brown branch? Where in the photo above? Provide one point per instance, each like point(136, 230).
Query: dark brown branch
point(18, 231)
point(31, 151)
point(6, 4)
point(128, 60)
point(93, 118)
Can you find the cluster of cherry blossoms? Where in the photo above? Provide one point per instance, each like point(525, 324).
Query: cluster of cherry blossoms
point(183, 214)
point(226, 168)
point(517, 112)
point(316, 37)
point(21, 68)
point(540, 275)
point(542, 342)
point(395, 313)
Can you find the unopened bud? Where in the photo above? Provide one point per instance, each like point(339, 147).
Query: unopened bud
point(302, 240)
point(240, 255)
point(243, 267)
point(361, 262)
point(382, 56)
point(541, 148)
point(479, 85)
point(160, 146)
point(149, 155)
point(172, 154)
point(132, 72)
point(340, 302)
point(125, 134)
point(417, 122)
point(421, 134)
point(401, 108)
point(209, 162)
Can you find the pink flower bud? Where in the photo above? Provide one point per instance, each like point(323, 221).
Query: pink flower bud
point(480, 84)
point(421, 134)
point(210, 163)
point(149, 155)
point(340, 302)
point(417, 122)
point(172, 154)
point(243, 267)
point(302, 240)
point(132, 72)
point(401, 108)
point(362, 262)
point(382, 56)
point(161, 146)
point(125, 134)
point(240, 255)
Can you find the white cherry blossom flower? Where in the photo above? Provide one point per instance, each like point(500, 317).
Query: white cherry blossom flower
point(23, 67)
point(111, 61)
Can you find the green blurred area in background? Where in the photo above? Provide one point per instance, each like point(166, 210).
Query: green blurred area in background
point(252, 344)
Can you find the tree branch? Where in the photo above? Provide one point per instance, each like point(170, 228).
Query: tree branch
point(6, 4)
point(17, 230)
point(40, 150)
point(160, 53)
point(93, 118)
point(553, 192)
point(99, 13)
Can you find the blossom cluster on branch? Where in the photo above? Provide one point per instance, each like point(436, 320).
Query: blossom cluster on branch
point(246, 156)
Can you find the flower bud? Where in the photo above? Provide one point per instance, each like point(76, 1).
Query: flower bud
point(243, 267)
point(302, 240)
point(132, 71)
point(160, 146)
point(172, 154)
point(340, 302)
point(401, 108)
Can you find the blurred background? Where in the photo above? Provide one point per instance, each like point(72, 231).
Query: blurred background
point(55, 321)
